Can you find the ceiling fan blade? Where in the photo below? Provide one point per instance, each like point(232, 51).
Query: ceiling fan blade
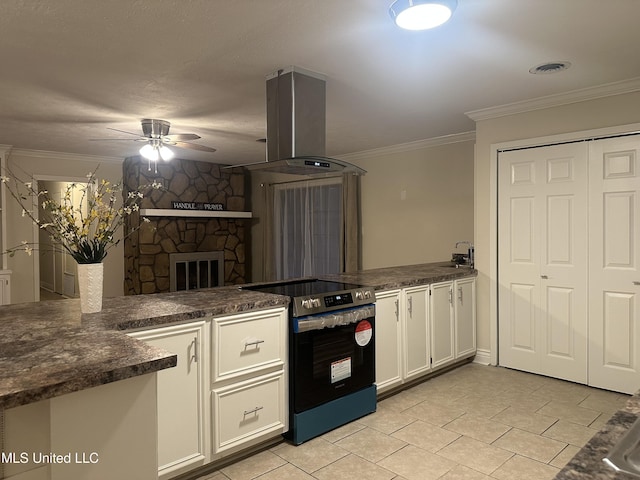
point(181, 136)
point(124, 131)
point(140, 139)
point(193, 146)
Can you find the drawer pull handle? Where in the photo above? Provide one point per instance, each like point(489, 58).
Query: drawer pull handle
point(255, 410)
point(255, 342)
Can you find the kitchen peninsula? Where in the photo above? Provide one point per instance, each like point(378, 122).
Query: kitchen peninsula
point(61, 369)
point(73, 383)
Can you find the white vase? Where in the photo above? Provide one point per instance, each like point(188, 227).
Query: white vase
point(90, 280)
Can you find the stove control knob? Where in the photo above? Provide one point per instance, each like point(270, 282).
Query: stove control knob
point(367, 294)
point(306, 303)
point(315, 302)
point(359, 294)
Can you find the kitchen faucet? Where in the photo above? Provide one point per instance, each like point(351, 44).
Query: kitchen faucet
point(470, 251)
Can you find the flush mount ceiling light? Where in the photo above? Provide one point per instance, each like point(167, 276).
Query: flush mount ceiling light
point(549, 67)
point(421, 14)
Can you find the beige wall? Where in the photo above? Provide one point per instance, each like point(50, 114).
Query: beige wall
point(59, 167)
point(593, 114)
point(421, 225)
point(416, 204)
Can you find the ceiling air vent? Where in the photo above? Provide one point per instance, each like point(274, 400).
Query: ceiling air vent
point(549, 67)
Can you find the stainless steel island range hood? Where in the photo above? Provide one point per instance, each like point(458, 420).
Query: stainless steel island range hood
point(296, 126)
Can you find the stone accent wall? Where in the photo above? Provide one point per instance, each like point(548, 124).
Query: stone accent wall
point(147, 251)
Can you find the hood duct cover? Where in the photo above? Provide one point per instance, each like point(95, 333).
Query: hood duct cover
point(296, 126)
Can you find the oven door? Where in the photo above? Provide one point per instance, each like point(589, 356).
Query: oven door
point(332, 355)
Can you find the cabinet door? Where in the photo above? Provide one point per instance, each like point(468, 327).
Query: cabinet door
point(181, 412)
point(5, 296)
point(417, 351)
point(388, 340)
point(442, 325)
point(465, 316)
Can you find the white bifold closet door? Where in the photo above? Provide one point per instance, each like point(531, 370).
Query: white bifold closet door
point(614, 264)
point(542, 260)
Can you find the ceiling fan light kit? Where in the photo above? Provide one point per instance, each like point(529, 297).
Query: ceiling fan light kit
point(154, 151)
point(155, 134)
point(421, 14)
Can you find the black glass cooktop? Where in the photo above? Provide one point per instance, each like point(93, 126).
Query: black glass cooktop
point(303, 288)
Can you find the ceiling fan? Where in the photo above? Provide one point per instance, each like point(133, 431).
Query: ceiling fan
point(155, 134)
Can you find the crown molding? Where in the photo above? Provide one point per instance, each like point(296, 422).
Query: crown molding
point(410, 146)
point(574, 96)
point(5, 149)
point(64, 156)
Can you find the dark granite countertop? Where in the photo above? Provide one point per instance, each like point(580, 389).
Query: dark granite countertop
point(588, 463)
point(389, 278)
point(49, 348)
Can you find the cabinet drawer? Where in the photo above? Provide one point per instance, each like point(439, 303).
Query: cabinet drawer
point(248, 411)
point(246, 342)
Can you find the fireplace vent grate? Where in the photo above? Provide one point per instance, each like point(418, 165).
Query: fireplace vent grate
point(192, 271)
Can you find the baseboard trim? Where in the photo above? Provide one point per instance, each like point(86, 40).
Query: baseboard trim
point(483, 357)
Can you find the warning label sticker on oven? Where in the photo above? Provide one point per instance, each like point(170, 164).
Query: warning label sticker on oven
point(364, 332)
point(340, 369)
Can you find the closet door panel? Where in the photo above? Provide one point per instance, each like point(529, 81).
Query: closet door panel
point(522, 317)
point(614, 266)
point(542, 260)
point(619, 350)
point(519, 253)
point(563, 266)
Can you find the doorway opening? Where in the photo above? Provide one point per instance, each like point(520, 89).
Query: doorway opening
point(55, 272)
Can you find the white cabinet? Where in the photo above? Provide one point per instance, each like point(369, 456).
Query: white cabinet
point(5, 287)
point(465, 316)
point(182, 416)
point(228, 391)
point(249, 410)
point(388, 333)
point(249, 391)
point(416, 332)
point(442, 324)
point(423, 328)
point(248, 342)
point(453, 321)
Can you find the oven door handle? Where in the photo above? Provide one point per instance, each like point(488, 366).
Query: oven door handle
point(333, 319)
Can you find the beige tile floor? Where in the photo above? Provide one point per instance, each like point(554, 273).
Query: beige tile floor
point(473, 423)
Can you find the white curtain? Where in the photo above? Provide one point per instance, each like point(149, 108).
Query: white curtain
point(311, 227)
point(308, 228)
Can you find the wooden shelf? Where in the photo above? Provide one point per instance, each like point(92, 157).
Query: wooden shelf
point(170, 212)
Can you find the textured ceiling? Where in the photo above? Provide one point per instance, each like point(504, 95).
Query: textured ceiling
point(72, 68)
